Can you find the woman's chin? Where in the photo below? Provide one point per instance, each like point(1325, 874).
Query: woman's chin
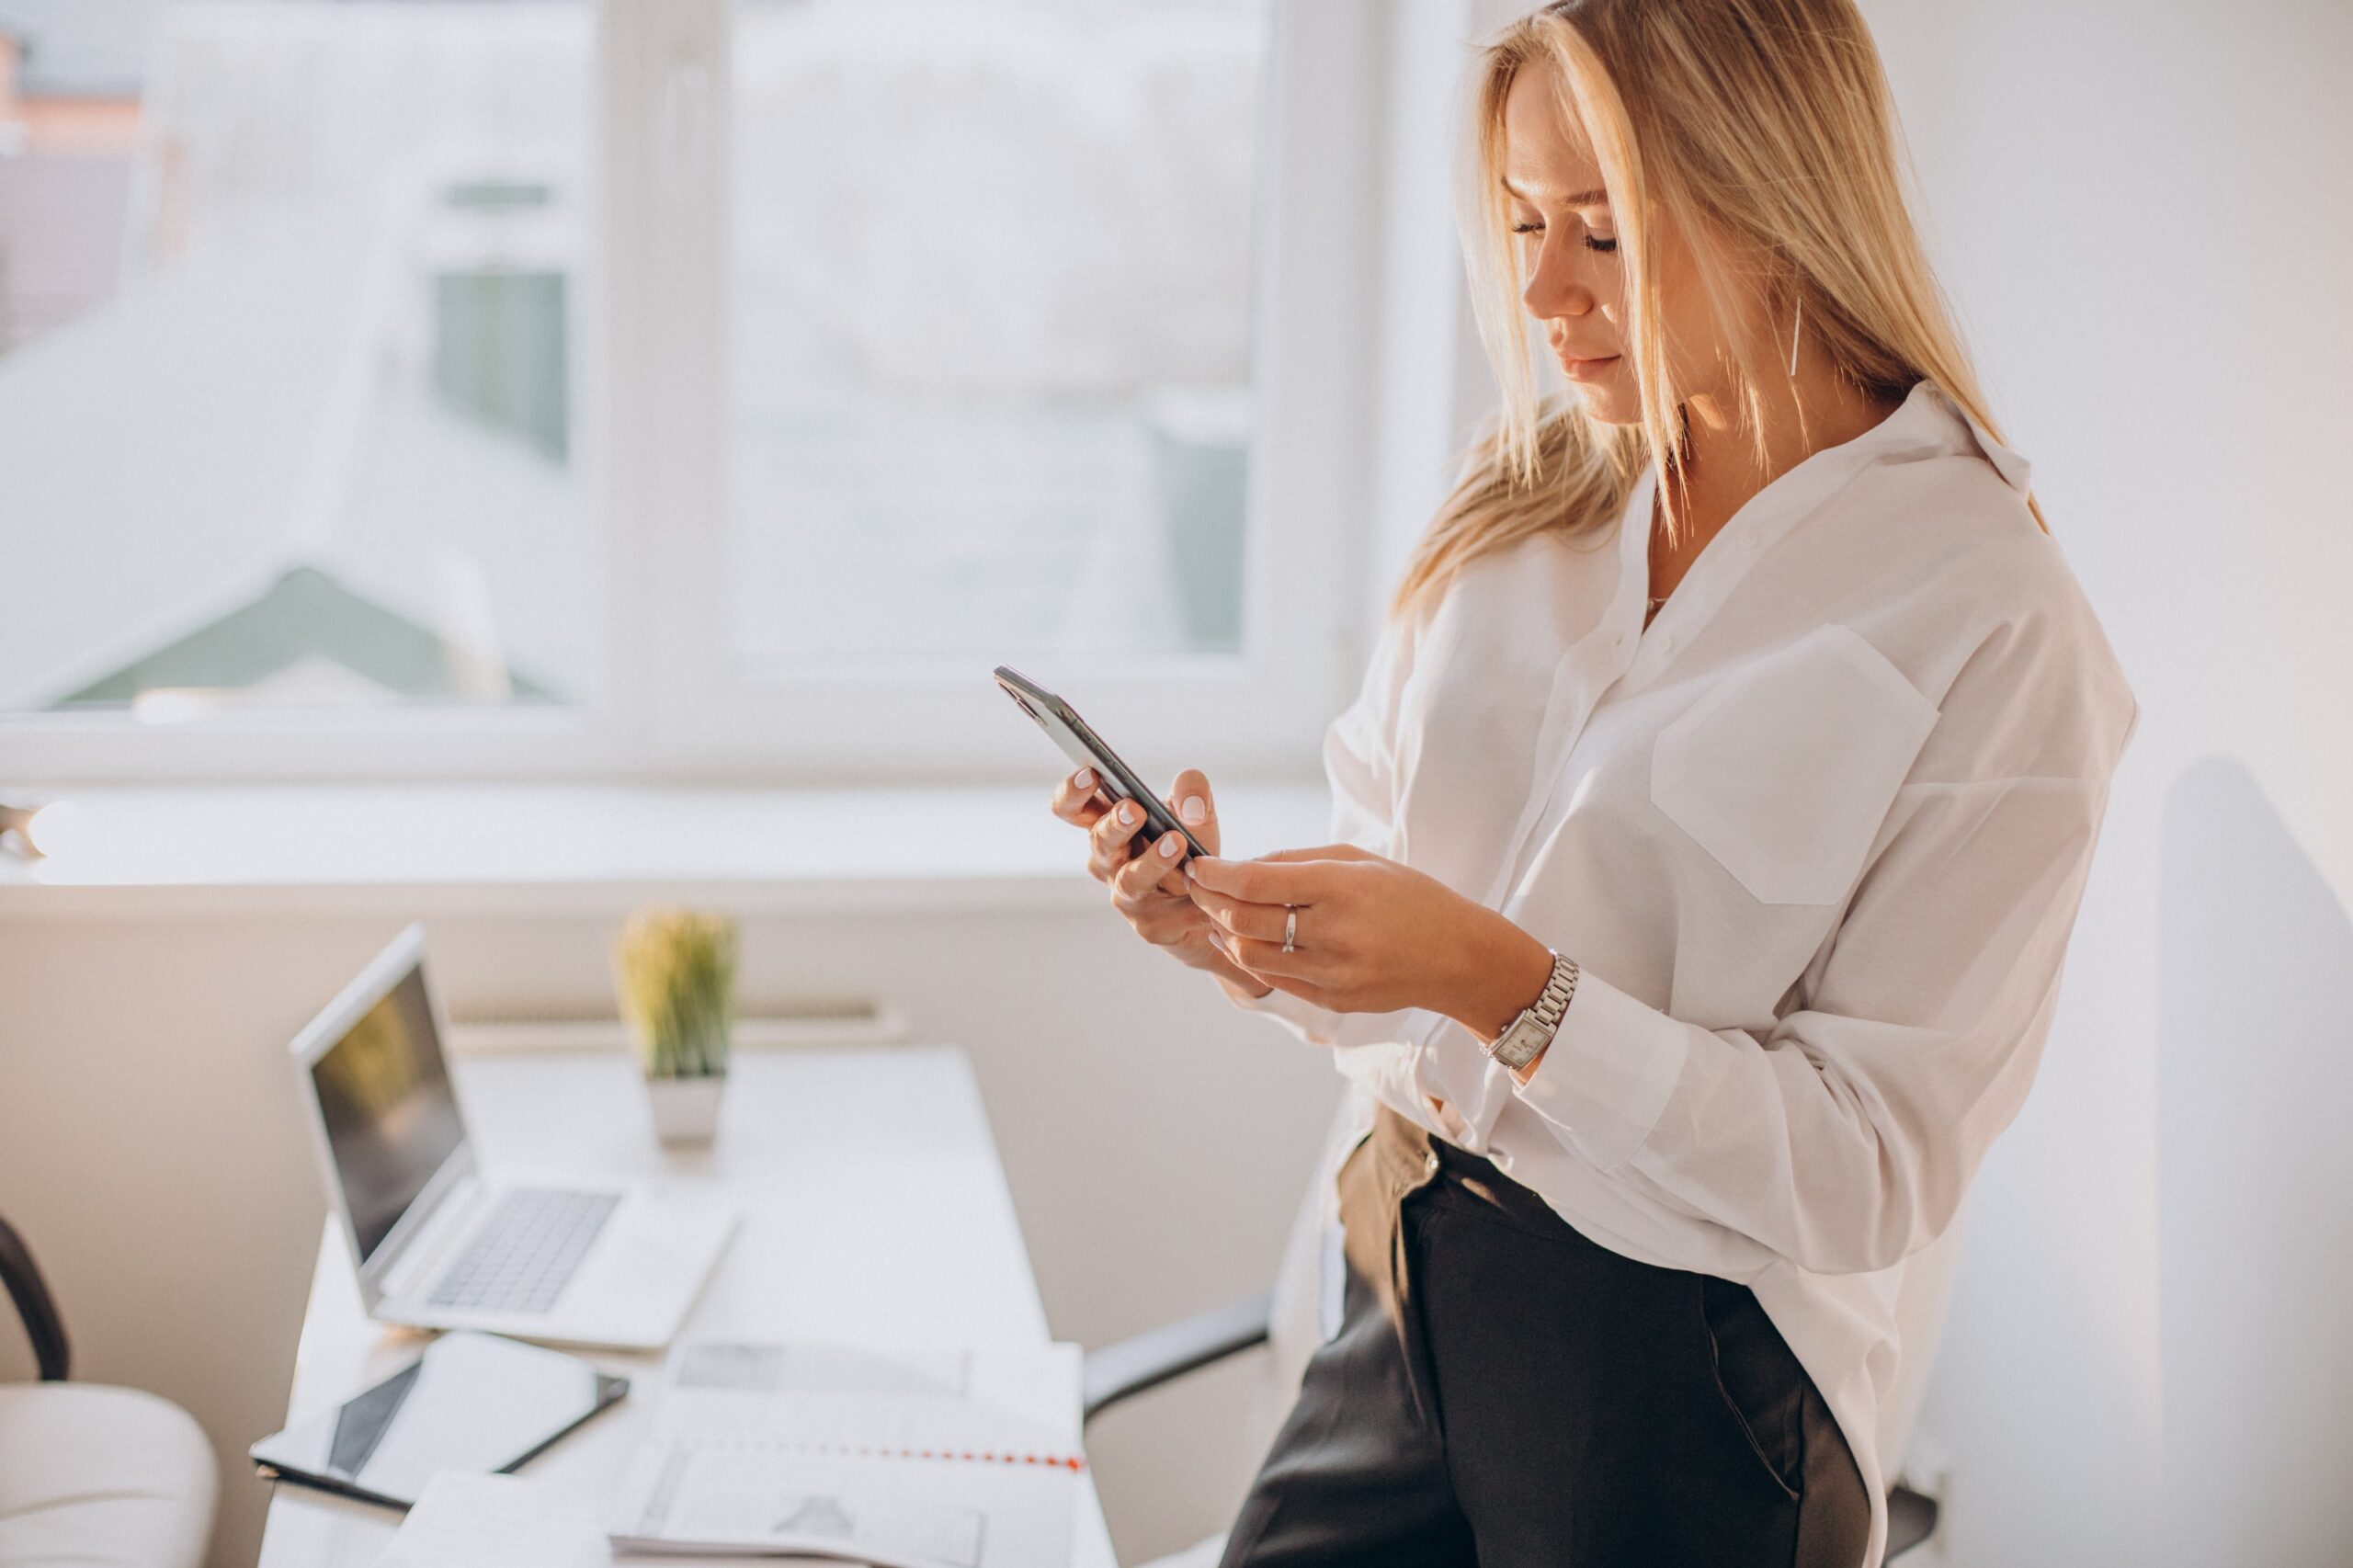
point(1607, 405)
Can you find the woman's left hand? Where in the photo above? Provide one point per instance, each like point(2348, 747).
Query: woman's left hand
point(1374, 934)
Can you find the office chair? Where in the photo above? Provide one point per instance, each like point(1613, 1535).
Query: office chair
point(112, 1477)
point(1283, 1320)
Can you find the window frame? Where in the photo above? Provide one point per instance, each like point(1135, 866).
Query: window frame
point(665, 707)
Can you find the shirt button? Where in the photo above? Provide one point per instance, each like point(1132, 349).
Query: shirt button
point(1667, 641)
point(1747, 541)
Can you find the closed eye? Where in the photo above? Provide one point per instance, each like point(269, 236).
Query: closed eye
point(1592, 242)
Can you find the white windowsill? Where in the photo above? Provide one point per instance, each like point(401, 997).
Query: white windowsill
point(405, 849)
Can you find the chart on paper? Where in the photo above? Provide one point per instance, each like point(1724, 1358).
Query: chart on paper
point(908, 1459)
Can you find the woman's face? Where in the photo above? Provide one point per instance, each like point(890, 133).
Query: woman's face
point(1576, 286)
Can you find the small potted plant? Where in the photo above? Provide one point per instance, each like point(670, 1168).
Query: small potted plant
point(674, 971)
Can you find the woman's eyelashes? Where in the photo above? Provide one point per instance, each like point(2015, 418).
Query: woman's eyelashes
point(1605, 243)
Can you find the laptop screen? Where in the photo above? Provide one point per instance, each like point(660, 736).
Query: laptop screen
point(392, 1117)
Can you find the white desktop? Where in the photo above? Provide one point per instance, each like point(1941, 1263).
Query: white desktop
point(873, 1209)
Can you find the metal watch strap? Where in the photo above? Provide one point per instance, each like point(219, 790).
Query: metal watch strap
point(1532, 1030)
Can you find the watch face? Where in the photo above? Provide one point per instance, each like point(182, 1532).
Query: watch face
point(1519, 1043)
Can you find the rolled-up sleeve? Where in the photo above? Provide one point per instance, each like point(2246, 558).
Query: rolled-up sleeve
point(1843, 1136)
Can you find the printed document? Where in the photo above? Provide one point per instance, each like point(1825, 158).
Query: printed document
point(903, 1459)
point(465, 1519)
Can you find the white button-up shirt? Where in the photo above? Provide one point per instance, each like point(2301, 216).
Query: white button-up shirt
point(1815, 838)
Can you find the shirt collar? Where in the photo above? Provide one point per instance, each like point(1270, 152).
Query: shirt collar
point(1930, 413)
point(1928, 420)
point(1927, 423)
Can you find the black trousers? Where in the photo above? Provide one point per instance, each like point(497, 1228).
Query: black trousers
point(1505, 1393)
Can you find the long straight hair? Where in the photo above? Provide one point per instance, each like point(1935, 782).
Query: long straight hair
point(1767, 123)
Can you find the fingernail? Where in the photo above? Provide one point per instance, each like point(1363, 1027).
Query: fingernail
point(1189, 870)
point(1195, 809)
point(1170, 845)
point(1084, 779)
point(1129, 815)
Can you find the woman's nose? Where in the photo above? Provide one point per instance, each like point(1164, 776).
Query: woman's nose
point(1554, 291)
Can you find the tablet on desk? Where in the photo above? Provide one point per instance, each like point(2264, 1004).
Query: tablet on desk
point(472, 1401)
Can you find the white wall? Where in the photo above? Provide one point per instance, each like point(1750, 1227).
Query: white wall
point(2142, 212)
point(1156, 1140)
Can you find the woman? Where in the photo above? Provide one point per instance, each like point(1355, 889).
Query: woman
point(1710, 827)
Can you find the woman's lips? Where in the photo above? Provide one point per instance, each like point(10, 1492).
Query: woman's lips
point(1585, 369)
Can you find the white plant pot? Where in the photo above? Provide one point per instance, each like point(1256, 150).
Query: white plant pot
point(685, 1110)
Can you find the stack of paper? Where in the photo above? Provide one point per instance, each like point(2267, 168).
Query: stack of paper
point(464, 1520)
point(950, 1458)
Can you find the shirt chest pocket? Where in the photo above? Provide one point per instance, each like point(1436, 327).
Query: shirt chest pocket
point(1784, 770)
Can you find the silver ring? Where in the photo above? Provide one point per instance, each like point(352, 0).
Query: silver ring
point(1290, 925)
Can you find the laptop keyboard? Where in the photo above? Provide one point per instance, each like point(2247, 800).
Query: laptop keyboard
point(521, 1257)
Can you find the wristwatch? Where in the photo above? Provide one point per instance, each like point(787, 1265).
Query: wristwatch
point(1524, 1037)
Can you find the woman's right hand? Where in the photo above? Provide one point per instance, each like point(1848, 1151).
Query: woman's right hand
point(1146, 879)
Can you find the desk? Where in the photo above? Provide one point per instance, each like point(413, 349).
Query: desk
point(874, 1208)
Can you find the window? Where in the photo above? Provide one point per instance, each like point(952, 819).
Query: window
point(989, 341)
point(679, 388)
point(289, 388)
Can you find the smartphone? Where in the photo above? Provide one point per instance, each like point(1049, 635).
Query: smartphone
point(1113, 778)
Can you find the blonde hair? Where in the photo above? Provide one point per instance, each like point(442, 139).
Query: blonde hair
point(1766, 121)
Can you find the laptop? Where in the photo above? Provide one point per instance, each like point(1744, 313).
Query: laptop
point(439, 1245)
